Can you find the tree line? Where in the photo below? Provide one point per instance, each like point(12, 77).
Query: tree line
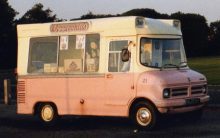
point(200, 39)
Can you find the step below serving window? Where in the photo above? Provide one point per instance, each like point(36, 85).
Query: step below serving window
point(64, 54)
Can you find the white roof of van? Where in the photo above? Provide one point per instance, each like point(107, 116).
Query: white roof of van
point(113, 26)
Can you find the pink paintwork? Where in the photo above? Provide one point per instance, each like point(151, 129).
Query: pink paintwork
point(98, 94)
point(151, 84)
point(109, 94)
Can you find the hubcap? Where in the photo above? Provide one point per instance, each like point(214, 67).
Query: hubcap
point(143, 116)
point(47, 113)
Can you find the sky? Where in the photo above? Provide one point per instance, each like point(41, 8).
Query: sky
point(69, 9)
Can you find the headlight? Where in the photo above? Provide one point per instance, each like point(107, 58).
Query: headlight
point(166, 93)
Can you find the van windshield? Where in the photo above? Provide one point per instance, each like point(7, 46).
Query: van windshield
point(162, 53)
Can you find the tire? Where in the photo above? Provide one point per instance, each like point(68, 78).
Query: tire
point(144, 115)
point(48, 114)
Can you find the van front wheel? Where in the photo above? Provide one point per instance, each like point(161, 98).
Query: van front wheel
point(144, 115)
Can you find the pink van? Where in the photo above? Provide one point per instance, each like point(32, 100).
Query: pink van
point(123, 66)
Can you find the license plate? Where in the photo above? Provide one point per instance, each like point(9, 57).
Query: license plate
point(194, 101)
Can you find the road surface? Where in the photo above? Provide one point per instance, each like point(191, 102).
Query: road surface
point(13, 125)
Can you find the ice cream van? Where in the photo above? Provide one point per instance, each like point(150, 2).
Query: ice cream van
point(131, 67)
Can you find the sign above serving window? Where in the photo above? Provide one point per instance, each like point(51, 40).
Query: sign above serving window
point(69, 27)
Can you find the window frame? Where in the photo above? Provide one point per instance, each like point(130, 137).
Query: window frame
point(118, 52)
point(30, 54)
point(58, 54)
point(180, 38)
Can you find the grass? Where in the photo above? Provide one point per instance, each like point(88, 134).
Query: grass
point(209, 66)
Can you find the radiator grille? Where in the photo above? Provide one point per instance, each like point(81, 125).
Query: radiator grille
point(179, 92)
point(198, 90)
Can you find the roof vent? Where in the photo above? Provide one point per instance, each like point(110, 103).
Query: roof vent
point(176, 23)
point(140, 22)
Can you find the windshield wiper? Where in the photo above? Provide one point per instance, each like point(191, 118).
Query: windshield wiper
point(169, 66)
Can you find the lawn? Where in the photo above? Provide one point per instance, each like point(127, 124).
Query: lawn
point(209, 66)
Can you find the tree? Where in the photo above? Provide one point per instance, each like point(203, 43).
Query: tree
point(7, 36)
point(214, 37)
point(150, 13)
point(38, 15)
point(90, 15)
point(195, 33)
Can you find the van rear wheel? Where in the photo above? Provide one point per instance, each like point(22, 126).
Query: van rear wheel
point(144, 115)
point(48, 113)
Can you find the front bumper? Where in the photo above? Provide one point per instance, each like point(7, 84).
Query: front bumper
point(180, 105)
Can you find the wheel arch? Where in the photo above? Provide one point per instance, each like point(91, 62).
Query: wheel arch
point(37, 106)
point(137, 100)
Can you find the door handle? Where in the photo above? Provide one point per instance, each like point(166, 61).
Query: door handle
point(109, 76)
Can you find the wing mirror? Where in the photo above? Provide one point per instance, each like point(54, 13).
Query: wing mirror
point(125, 55)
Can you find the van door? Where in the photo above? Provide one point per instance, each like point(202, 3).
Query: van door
point(119, 78)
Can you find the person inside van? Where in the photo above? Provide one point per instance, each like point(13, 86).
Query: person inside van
point(94, 50)
point(92, 57)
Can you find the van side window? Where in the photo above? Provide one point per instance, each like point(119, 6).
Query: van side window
point(43, 55)
point(70, 56)
point(64, 54)
point(79, 53)
point(115, 64)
